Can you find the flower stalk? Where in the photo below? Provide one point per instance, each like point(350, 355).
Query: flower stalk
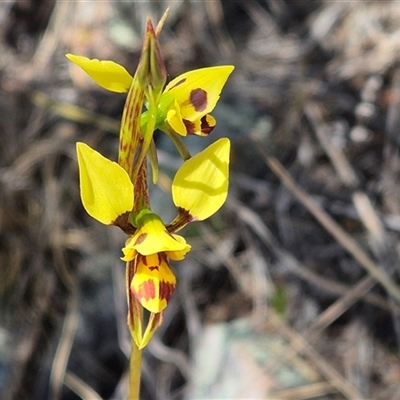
point(135, 364)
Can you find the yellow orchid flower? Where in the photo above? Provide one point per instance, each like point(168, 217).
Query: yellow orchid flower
point(199, 189)
point(185, 103)
point(107, 195)
point(188, 99)
point(153, 282)
point(148, 82)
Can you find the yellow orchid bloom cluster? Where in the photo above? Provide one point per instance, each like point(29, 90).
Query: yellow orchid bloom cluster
point(116, 193)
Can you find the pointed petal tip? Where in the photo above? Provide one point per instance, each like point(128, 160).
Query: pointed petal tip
point(107, 74)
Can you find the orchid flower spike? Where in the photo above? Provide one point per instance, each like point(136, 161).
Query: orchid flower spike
point(199, 189)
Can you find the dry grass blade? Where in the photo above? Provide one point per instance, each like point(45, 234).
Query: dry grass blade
point(75, 113)
point(302, 346)
point(216, 16)
point(378, 238)
point(64, 347)
point(286, 259)
point(60, 18)
point(348, 176)
point(332, 227)
point(339, 161)
point(170, 355)
point(192, 314)
point(262, 285)
point(333, 312)
point(304, 392)
point(231, 263)
point(84, 391)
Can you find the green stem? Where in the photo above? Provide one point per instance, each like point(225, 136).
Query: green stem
point(135, 363)
point(177, 141)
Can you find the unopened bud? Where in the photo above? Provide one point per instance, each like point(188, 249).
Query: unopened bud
point(151, 71)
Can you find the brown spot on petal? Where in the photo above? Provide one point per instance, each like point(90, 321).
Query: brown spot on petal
point(154, 267)
point(190, 127)
point(206, 128)
point(140, 238)
point(198, 98)
point(147, 290)
point(166, 290)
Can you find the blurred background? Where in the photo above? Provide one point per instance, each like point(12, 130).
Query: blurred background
point(291, 290)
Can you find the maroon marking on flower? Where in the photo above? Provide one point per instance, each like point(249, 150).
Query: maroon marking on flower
point(147, 290)
point(123, 222)
point(129, 114)
point(140, 238)
point(178, 83)
point(142, 259)
point(198, 98)
point(166, 290)
point(123, 146)
point(184, 217)
point(154, 267)
point(161, 257)
point(190, 127)
point(206, 128)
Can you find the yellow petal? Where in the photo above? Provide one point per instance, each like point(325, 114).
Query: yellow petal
point(106, 190)
point(178, 255)
point(152, 237)
point(196, 92)
point(107, 74)
point(174, 119)
point(129, 251)
point(153, 282)
point(200, 186)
